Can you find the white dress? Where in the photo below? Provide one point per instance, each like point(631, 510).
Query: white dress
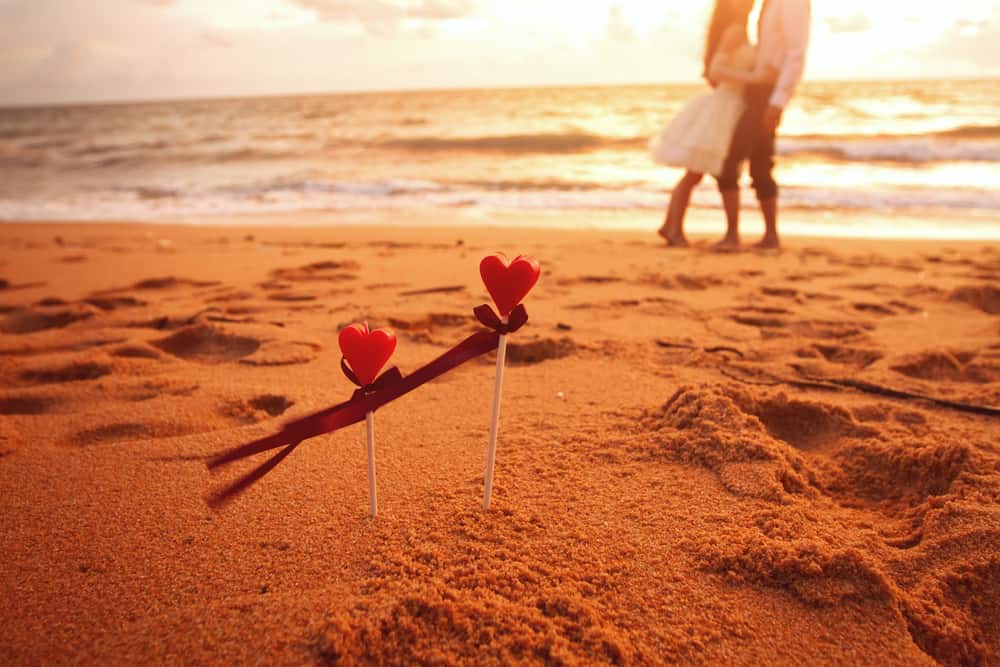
point(698, 138)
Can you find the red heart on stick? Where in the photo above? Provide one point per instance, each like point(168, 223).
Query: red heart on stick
point(366, 351)
point(508, 284)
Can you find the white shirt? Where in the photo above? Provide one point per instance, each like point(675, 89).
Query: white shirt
point(782, 44)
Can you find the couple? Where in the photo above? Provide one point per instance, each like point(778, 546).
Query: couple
point(716, 132)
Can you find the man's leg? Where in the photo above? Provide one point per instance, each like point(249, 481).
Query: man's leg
point(769, 209)
point(731, 205)
point(740, 148)
point(761, 170)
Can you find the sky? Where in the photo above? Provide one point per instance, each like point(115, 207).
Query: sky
point(96, 50)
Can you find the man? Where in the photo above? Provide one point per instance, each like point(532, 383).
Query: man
point(782, 40)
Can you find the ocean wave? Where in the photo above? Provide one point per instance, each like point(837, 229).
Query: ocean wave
point(131, 147)
point(545, 142)
point(972, 143)
point(903, 151)
point(971, 132)
point(155, 202)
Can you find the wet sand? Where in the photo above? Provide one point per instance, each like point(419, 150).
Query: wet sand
point(685, 472)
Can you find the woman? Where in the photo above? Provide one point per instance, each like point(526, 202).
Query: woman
point(699, 136)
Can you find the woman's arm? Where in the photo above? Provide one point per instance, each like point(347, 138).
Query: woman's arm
point(721, 68)
point(720, 71)
point(731, 40)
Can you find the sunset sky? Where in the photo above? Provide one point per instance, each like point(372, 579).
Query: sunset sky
point(84, 50)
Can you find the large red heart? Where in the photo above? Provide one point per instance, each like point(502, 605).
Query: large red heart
point(366, 351)
point(509, 283)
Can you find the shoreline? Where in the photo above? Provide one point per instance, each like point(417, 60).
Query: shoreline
point(807, 226)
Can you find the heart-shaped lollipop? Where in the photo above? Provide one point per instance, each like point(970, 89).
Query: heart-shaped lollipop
point(366, 351)
point(508, 283)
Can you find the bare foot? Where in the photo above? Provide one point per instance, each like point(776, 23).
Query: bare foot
point(673, 239)
point(728, 244)
point(769, 242)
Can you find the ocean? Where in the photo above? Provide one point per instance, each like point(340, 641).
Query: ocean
point(928, 150)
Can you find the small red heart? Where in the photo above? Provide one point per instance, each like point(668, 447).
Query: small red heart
point(508, 284)
point(366, 351)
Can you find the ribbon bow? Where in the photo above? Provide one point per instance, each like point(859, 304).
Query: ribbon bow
point(381, 382)
point(488, 317)
point(386, 388)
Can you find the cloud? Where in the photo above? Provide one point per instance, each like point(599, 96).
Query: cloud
point(617, 29)
point(388, 17)
point(973, 43)
point(855, 23)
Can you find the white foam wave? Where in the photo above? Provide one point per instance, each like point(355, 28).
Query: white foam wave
point(159, 204)
point(919, 151)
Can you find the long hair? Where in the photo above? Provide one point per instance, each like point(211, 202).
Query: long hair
point(724, 14)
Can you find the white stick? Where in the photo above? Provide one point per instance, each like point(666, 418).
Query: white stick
point(491, 452)
point(372, 496)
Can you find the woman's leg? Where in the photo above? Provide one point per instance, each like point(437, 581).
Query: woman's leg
point(731, 205)
point(673, 226)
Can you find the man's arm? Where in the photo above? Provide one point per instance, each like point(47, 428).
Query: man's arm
point(795, 20)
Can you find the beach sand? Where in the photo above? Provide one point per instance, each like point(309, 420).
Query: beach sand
point(680, 477)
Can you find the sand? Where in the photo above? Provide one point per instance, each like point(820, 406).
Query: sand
point(679, 478)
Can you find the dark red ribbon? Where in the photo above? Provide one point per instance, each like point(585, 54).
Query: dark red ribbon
point(386, 388)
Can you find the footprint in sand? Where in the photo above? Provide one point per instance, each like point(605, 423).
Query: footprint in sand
point(51, 301)
point(259, 408)
point(128, 431)
point(33, 349)
point(135, 351)
point(588, 280)
point(29, 320)
point(682, 281)
point(170, 282)
point(946, 366)
point(426, 328)
point(431, 321)
point(73, 259)
point(27, 405)
point(536, 351)
point(78, 371)
point(982, 297)
point(893, 485)
point(109, 303)
point(781, 292)
point(874, 308)
point(806, 425)
point(228, 296)
point(152, 389)
point(832, 329)
point(761, 322)
point(326, 271)
point(283, 353)
point(905, 307)
point(847, 356)
point(292, 297)
point(207, 344)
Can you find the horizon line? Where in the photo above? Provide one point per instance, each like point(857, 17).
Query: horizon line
point(436, 89)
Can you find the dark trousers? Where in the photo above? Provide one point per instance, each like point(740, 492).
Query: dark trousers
point(751, 141)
